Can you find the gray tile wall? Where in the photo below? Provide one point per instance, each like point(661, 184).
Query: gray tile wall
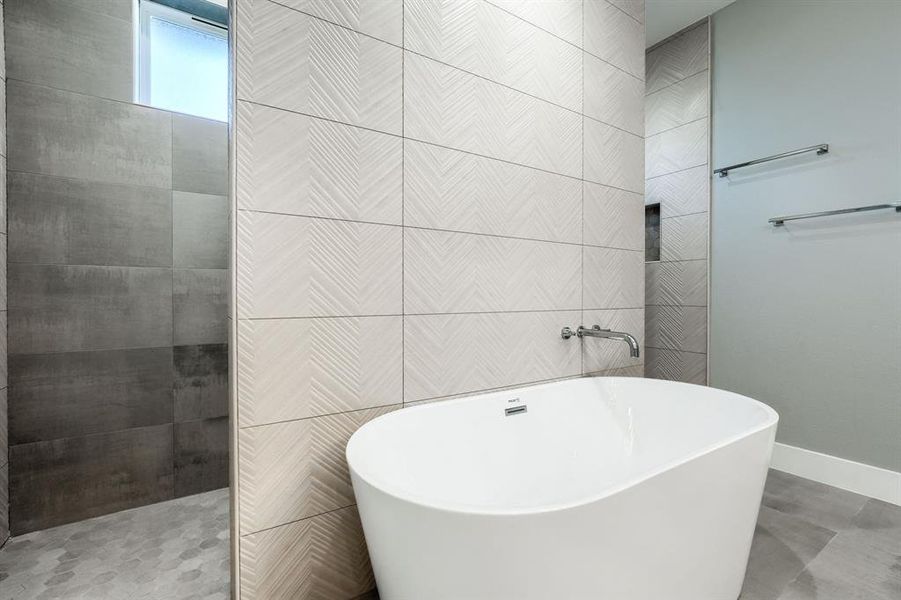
point(677, 107)
point(117, 276)
point(4, 433)
point(413, 177)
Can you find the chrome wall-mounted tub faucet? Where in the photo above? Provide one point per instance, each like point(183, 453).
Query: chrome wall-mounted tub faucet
point(597, 332)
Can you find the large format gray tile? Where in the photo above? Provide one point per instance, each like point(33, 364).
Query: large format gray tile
point(812, 501)
point(383, 19)
point(201, 382)
point(478, 37)
point(89, 476)
point(4, 430)
point(446, 106)
point(199, 231)
point(453, 190)
point(299, 267)
point(70, 394)
point(62, 45)
point(460, 272)
point(782, 546)
point(69, 221)
point(71, 135)
point(343, 76)
point(201, 456)
point(67, 308)
point(299, 368)
point(199, 155)
point(200, 306)
point(296, 164)
point(851, 567)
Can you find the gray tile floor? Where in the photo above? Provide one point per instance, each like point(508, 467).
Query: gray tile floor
point(174, 550)
point(813, 542)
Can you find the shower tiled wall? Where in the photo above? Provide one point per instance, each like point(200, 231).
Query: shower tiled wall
point(426, 192)
point(117, 276)
point(677, 108)
point(4, 434)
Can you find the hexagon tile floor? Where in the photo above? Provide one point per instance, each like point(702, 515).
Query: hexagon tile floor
point(171, 550)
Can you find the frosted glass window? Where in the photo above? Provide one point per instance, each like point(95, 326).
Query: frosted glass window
point(184, 63)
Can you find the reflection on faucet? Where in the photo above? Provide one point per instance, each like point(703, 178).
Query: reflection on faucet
point(597, 332)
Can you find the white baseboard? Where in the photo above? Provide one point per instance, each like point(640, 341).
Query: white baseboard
point(867, 480)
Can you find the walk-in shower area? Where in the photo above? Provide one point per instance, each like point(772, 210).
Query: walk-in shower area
point(117, 400)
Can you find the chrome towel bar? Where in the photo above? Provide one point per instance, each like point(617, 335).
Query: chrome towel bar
point(819, 148)
point(828, 213)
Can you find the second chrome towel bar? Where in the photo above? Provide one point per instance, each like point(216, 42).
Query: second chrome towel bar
point(828, 213)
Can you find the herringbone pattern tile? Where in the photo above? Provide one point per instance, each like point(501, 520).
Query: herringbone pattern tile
point(411, 227)
point(446, 106)
point(677, 149)
point(297, 469)
point(458, 272)
point(613, 218)
point(299, 368)
point(682, 193)
point(612, 96)
point(635, 8)
point(604, 355)
point(614, 36)
point(678, 104)
point(562, 18)
point(454, 354)
point(321, 558)
point(382, 19)
point(676, 365)
point(613, 157)
point(300, 267)
point(295, 164)
point(684, 238)
point(677, 327)
point(612, 278)
point(478, 37)
point(678, 59)
point(297, 62)
point(677, 283)
point(448, 189)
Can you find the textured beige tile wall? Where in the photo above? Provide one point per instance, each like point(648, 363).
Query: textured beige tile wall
point(677, 108)
point(425, 193)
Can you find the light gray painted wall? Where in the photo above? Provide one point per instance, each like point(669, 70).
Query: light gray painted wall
point(806, 317)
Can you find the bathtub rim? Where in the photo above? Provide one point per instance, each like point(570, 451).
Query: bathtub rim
point(771, 421)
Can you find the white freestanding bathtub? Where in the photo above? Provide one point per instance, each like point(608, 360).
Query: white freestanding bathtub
point(592, 489)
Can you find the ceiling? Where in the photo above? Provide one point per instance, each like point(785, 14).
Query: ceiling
point(665, 17)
